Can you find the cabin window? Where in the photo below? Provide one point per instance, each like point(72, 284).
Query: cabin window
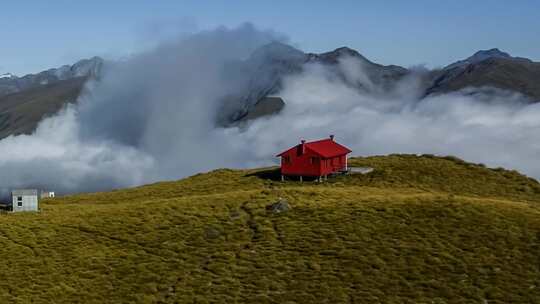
point(19, 198)
point(313, 160)
point(287, 159)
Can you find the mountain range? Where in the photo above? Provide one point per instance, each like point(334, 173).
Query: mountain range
point(491, 68)
point(24, 101)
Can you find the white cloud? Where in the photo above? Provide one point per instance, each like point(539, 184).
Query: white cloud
point(153, 118)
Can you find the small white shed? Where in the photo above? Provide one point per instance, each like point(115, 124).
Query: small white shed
point(25, 200)
point(47, 194)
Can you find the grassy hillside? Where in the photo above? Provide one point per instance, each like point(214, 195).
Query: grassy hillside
point(416, 230)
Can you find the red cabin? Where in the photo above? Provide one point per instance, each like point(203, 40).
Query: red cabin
point(316, 159)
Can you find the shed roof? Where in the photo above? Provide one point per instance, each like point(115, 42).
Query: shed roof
point(21, 192)
point(324, 147)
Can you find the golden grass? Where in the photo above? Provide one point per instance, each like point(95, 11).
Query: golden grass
point(416, 230)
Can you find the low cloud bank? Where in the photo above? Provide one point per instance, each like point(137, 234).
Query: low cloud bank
point(496, 128)
point(153, 118)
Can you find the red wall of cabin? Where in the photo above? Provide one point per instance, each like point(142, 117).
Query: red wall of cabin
point(301, 164)
point(310, 163)
point(334, 164)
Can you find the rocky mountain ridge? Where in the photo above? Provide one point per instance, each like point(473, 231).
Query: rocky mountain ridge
point(25, 100)
point(269, 65)
point(489, 68)
point(10, 83)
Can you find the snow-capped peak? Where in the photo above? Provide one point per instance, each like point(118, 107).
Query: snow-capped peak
point(7, 75)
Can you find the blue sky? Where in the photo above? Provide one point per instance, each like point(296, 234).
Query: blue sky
point(35, 35)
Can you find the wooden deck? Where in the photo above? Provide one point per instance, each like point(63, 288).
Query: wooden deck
point(359, 170)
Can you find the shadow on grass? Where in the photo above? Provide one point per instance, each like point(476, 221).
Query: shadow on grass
point(274, 174)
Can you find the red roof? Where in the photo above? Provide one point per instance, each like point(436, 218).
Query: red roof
point(325, 148)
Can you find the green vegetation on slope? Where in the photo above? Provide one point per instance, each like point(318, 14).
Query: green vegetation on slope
point(416, 230)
